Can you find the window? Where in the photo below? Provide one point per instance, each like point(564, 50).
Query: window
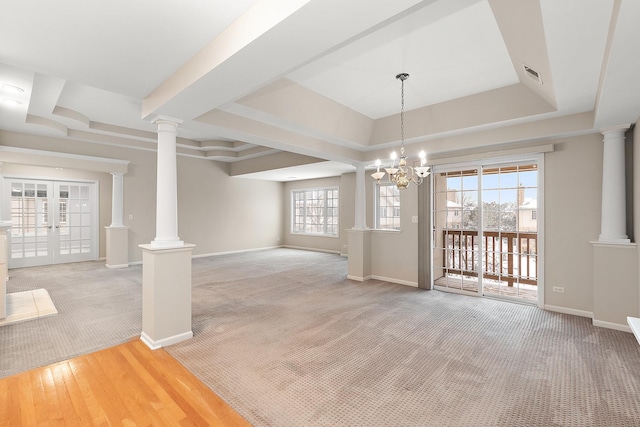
point(387, 207)
point(315, 211)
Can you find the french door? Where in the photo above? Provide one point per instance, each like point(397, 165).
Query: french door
point(486, 233)
point(52, 222)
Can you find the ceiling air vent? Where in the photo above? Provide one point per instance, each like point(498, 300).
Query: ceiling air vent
point(532, 73)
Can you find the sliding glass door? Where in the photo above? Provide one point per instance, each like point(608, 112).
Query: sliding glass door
point(485, 230)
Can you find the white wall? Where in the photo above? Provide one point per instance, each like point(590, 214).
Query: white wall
point(220, 213)
point(104, 189)
point(217, 213)
point(394, 254)
point(573, 198)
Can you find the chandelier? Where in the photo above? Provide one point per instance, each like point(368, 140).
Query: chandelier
point(404, 174)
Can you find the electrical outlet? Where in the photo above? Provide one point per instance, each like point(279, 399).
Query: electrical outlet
point(558, 289)
point(130, 217)
point(414, 219)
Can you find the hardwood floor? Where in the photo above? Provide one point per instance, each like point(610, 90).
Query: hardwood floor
point(126, 385)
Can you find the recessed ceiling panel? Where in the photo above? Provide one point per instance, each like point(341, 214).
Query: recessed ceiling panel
point(457, 55)
point(123, 46)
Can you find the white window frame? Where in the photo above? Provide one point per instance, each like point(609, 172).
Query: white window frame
point(393, 209)
point(538, 159)
point(324, 214)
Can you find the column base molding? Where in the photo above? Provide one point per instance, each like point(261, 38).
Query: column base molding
point(166, 295)
point(615, 284)
point(359, 259)
point(117, 246)
point(157, 344)
point(611, 325)
point(117, 266)
point(358, 278)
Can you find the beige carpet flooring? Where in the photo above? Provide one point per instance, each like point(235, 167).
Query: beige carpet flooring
point(96, 308)
point(285, 339)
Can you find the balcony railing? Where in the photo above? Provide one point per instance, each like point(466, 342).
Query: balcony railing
point(509, 256)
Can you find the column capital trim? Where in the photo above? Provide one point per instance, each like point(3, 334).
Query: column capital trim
point(154, 249)
point(614, 244)
point(160, 119)
point(618, 128)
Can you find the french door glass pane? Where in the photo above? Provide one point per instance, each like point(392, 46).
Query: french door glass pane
point(51, 221)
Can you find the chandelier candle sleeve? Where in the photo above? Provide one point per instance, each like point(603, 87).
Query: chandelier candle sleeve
point(404, 174)
point(378, 175)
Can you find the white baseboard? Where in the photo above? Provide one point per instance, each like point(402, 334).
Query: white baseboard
point(357, 278)
point(398, 281)
point(239, 251)
point(566, 310)
point(589, 314)
point(383, 279)
point(156, 344)
point(111, 267)
point(611, 325)
point(220, 253)
point(329, 251)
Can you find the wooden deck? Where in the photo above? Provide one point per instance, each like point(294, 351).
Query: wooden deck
point(470, 284)
point(126, 385)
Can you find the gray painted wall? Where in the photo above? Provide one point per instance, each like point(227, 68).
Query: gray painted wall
point(216, 212)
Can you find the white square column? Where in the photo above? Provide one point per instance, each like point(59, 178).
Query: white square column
point(166, 261)
point(359, 237)
point(4, 263)
point(166, 295)
point(117, 234)
point(614, 208)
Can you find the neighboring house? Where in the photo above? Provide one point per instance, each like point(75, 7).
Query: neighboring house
point(528, 215)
